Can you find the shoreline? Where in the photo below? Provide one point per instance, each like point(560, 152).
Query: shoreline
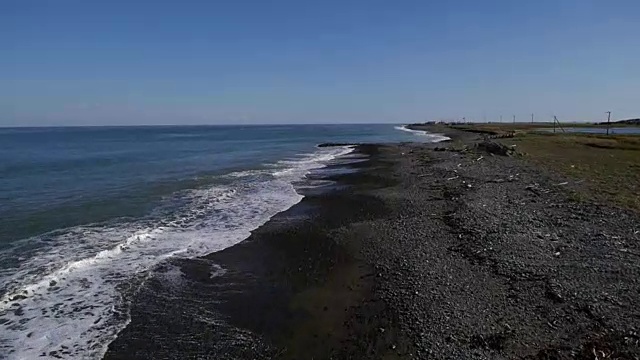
point(268, 286)
point(453, 134)
point(421, 253)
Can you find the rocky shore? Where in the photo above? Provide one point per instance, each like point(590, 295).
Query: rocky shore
point(419, 254)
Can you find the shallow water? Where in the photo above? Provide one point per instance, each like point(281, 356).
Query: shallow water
point(613, 130)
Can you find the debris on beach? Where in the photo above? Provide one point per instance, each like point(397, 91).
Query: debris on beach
point(495, 148)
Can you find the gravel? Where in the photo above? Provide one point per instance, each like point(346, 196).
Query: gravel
point(486, 257)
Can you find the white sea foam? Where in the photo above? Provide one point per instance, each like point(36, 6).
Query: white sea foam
point(306, 162)
point(64, 299)
point(217, 270)
point(247, 173)
point(432, 137)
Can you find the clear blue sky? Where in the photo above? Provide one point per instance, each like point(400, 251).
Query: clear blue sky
point(87, 62)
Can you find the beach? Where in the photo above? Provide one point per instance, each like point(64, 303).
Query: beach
point(331, 180)
point(89, 214)
point(412, 251)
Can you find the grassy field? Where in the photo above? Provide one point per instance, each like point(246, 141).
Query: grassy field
point(608, 166)
point(518, 128)
point(499, 129)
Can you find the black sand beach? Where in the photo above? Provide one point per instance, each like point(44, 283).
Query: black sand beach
point(419, 254)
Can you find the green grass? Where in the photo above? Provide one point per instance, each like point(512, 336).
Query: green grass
point(609, 166)
point(518, 128)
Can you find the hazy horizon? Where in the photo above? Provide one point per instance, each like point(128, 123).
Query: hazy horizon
point(75, 63)
point(222, 124)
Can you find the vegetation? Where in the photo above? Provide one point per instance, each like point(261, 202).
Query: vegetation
point(518, 128)
point(608, 166)
point(499, 129)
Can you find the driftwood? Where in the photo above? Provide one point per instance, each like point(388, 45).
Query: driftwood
point(495, 148)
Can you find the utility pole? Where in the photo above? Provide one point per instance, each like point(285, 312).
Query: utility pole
point(555, 120)
point(532, 118)
point(608, 121)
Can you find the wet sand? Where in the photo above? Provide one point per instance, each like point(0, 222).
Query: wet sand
point(287, 291)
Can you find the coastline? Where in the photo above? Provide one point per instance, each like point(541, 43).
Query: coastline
point(420, 253)
point(453, 134)
point(291, 286)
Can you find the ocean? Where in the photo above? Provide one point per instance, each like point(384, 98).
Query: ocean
point(88, 211)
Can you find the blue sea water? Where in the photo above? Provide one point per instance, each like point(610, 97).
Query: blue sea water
point(86, 211)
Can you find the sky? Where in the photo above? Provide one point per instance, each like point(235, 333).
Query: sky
point(89, 62)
